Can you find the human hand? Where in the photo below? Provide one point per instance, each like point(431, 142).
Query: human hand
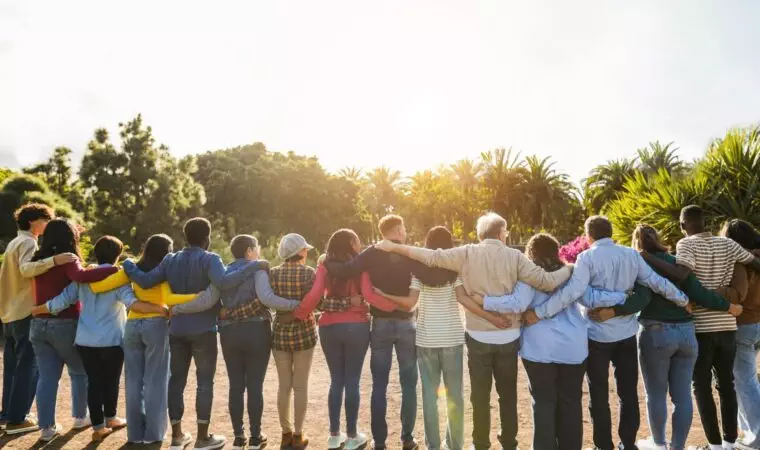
point(166, 311)
point(735, 310)
point(689, 307)
point(40, 310)
point(358, 300)
point(601, 314)
point(263, 264)
point(64, 258)
point(529, 318)
point(385, 245)
point(499, 321)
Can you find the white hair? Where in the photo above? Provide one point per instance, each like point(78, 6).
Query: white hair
point(490, 225)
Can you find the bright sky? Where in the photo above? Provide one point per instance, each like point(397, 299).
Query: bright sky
point(408, 84)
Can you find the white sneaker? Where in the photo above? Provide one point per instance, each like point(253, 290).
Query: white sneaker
point(728, 445)
point(335, 442)
point(80, 423)
point(48, 434)
point(648, 444)
point(356, 442)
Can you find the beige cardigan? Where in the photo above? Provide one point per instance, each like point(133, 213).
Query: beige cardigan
point(17, 277)
point(490, 268)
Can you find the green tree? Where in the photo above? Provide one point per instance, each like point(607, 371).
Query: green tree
point(470, 202)
point(726, 183)
point(56, 171)
point(140, 189)
point(551, 202)
point(656, 157)
point(20, 189)
point(251, 190)
point(604, 184)
point(503, 181)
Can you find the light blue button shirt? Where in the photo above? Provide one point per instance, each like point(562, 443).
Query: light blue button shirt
point(102, 319)
point(610, 267)
point(562, 339)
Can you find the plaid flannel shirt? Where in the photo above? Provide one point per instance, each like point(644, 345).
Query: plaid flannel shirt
point(248, 310)
point(334, 304)
point(293, 281)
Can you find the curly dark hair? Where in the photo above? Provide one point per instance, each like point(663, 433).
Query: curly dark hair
point(30, 212)
point(543, 249)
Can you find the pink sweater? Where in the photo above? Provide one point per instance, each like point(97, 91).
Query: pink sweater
point(356, 314)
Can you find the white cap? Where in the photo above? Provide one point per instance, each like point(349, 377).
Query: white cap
point(291, 244)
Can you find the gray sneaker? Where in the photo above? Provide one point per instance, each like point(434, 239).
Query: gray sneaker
point(48, 434)
point(212, 442)
point(179, 443)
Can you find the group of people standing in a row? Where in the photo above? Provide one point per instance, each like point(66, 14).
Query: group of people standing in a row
point(676, 315)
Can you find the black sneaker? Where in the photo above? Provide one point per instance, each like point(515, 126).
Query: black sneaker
point(239, 443)
point(410, 445)
point(257, 443)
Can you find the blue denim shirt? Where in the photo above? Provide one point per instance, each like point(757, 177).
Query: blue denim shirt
point(562, 339)
point(102, 319)
point(190, 271)
point(611, 267)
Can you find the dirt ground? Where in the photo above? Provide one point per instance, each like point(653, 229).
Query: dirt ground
point(317, 420)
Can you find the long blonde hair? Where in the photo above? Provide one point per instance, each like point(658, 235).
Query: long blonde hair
point(645, 238)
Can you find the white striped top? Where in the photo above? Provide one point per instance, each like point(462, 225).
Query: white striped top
point(440, 319)
point(712, 259)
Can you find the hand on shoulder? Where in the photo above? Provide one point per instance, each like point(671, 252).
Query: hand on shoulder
point(385, 245)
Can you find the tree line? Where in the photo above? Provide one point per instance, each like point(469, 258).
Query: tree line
point(131, 186)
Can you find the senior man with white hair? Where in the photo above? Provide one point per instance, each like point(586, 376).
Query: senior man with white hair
point(489, 268)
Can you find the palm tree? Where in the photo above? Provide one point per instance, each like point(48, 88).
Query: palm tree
point(604, 184)
point(504, 177)
point(655, 156)
point(467, 175)
point(382, 191)
point(549, 194)
point(353, 174)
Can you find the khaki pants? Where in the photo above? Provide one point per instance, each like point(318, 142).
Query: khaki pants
point(293, 370)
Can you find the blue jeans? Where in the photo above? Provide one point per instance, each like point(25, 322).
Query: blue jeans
point(53, 342)
point(345, 347)
point(747, 384)
point(449, 362)
point(19, 371)
point(146, 367)
point(203, 349)
point(246, 347)
point(385, 335)
point(668, 353)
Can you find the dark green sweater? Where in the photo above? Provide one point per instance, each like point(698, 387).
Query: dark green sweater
point(655, 307)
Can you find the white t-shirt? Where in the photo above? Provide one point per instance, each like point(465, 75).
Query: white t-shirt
point(440, 319)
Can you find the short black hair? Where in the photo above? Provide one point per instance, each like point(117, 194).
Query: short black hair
point(692, 214)
point(108, 249)
point(197, 231)
point(241, 243)
point(295, 258)
point(31, 212)
point(598, 227)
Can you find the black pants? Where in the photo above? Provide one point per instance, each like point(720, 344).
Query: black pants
point(557, 410)
point(624, 358)
point(246, 348)
point(489, 364)
point(716, 356)
point(103, 366)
